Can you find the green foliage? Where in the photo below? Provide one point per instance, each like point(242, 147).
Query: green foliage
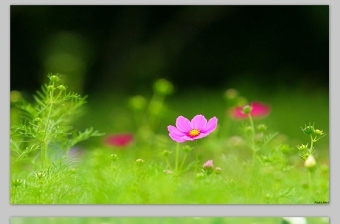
point(41, 170)
point(44, 128)
point(252, 166)
point(315, 135)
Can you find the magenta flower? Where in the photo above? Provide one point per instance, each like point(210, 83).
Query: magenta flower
point(119, 140)
point(258, 110)
point(197, 128)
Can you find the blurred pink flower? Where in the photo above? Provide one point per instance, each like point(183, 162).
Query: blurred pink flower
point(258, 110)
point(197, 128)
point(208, 164)
point(119, 140)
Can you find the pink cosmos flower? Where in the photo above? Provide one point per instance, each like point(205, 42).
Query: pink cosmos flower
point(258, 110)
point(197, 128)
point(119, 140)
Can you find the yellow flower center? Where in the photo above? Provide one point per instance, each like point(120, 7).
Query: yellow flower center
point(194, 133)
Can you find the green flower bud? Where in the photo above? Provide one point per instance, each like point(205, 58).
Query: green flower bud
point(310, 162)
point(137, 103)
point(16, 182)
point(319, 132)
point(208, 166)
point(230, 94)
point(40, 175)
point(261, 127)
point(54, 78)
point(166, 152)
point(303, 147)
point(304, 155)
point(113, 157)
point(163, 87)
point(285, 148)
point(37, 119)
point(50, 87)
point(218, 170)
point(248, 129)
point(140, 161)
point(247, 109)
point(199, 175)
point(62, 87)
point(187, 148)
point(308, 129)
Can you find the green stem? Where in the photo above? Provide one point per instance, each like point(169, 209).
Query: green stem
point(43, 156)
point(177, 155)
point(196, 163)
point(168, 163)
point(311, 144)
point(253, 131)
point(183, 161)
point(253, 135)
point(45, 141)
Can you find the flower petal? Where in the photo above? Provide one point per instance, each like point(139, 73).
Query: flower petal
point(198, 122)
point(210, 127)
point(187, 138)
point(202, 135)
point(119, 140)
point(175, 130)
point(260, 109)
point(238, 114)
point(176, 138)
point(183, 124)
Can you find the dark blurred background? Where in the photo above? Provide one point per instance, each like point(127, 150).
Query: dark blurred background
point(275, 54)
point(125, 48)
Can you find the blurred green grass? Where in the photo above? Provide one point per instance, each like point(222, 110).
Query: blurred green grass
point(291, 110)
point(109, 113)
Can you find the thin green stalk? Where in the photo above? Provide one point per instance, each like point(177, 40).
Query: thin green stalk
point(253, 131)
point(196, 163)
point(45, 142)
point(183, 161)
point(168, 163)
point(311, 144)
point(177, 155)
point(253, 135)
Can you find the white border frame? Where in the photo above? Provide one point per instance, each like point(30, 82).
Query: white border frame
point(7, 210)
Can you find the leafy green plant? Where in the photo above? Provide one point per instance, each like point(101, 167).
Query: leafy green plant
point(145, 167)
point(42, 137)
point(45, 125)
